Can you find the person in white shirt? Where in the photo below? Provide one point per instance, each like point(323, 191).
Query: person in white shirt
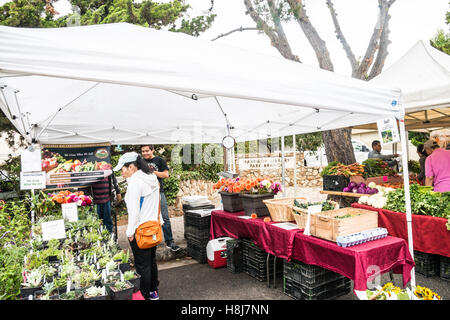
point(142, 201)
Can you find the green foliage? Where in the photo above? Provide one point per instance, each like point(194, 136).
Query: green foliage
point(424, 203)
point(15, 225)
point(11, 259)
point(326, 170)
point(441, 41)
point(417, 138)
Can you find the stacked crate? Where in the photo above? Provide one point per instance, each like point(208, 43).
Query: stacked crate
point(308, 282)
point(255, 261)
point(427, 264)
point(235, 263)
point(187, 207)
point(197, 233)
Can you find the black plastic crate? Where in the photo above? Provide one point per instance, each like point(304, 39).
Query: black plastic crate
point(427, 264)
point(308, 275)
point(196, 220)
point(188, 208)
point(262, 264)
point(200, 236)
point(445, 268)
point(335, 183)
point(235, 263)
point(326, 292)
point(253, 251)
point(199, 245)
point(197, 255)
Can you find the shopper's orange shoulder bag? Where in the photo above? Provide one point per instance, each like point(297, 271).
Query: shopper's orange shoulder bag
point(149, 234)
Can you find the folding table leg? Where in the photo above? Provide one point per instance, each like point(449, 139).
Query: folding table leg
point(267, 268)
point(274, 271)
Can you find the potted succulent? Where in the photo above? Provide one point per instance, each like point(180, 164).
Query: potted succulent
point(48, 292)
point(32, 283)
point(121, 290)
point(72, 295)
point(95, 293)
point(134, 278)
point(124, 260)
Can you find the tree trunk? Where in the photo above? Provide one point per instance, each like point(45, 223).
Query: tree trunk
point(338, 145)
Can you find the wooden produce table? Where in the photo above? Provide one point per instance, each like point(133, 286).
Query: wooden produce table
point(357, 262)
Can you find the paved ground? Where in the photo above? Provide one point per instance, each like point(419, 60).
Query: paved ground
point(182, 278)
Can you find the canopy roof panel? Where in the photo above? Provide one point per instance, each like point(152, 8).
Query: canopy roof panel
point(128, 84)
point(423, 75)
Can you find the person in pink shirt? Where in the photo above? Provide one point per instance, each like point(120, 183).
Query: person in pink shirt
point(437, 167)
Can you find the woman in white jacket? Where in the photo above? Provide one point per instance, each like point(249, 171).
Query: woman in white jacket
point(142, 200)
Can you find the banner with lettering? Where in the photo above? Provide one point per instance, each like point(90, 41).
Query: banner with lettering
point(75, 165)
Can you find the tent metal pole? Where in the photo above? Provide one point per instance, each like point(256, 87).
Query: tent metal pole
point(407, 195)
point(283, 169)
point(295, 164)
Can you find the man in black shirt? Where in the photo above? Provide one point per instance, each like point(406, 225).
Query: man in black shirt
point(162, 172)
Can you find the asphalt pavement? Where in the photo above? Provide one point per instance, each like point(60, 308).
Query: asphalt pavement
point(183, 278)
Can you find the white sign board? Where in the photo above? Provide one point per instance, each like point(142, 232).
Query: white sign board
point(266, 163)
point(388, 131)
point(286, 225)
point(30, 160)
point(32, 180)
point(311, 209)
point(70, 211)
point(53, 230)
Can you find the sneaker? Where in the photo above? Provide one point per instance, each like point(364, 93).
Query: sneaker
point(154, 295)
point(172, 246)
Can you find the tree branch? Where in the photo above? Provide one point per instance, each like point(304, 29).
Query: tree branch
point(234, 30)
point(374, 40)
point(341, 37)
point(319, 46)
point(276, 41)
point(382, 51)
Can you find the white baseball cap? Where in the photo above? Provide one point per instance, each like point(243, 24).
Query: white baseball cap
point(125, 158)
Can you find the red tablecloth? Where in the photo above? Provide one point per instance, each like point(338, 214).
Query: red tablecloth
point(430, 234)
point(356, 262)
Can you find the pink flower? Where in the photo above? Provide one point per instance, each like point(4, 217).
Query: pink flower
point(385, 178)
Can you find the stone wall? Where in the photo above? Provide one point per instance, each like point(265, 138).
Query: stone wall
point(305, 176)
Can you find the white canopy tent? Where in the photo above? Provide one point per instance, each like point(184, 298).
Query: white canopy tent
point(126, 84)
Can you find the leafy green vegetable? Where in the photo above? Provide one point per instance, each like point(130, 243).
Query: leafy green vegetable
point(328, 167)
point(325, 205)
point(424, 203)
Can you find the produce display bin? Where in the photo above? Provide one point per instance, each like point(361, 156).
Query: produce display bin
point(281, 209)
point(427, 264)
point(331, 224)
point(335, 183)
point(231, 201)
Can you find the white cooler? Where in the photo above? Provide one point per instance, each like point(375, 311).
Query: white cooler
point(216, 252)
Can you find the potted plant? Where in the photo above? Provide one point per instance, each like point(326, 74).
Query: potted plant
point(229, 192)
point(32, 283)
point(95, 293)
point(133, 278)
point(48, 292)
point(123, 259)
point(72, 295)
point(121, 290)
point(253, 192)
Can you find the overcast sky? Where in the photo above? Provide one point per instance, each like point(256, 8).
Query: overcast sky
point(411, 20)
